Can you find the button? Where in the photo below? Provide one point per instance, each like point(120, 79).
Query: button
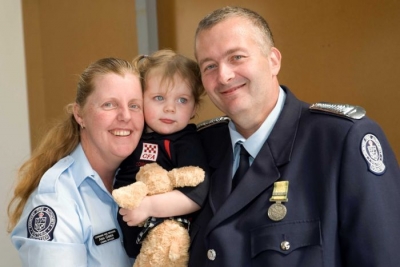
point(211, 254)
point(285, 245)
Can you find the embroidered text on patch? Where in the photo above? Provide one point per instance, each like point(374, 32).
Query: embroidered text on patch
point(149, 152)
point(41, 223)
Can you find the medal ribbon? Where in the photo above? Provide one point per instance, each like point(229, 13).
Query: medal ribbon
point(280, 192)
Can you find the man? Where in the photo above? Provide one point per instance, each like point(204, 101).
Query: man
point(323, 186)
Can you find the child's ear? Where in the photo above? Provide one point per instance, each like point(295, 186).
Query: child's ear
point(194, 112)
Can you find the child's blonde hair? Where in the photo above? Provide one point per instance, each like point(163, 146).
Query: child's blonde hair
point(169, 63)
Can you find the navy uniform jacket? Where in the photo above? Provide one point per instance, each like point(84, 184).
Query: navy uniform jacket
point(339, 213)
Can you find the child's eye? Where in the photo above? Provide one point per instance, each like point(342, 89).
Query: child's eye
point(182, 100)
point(159, 98)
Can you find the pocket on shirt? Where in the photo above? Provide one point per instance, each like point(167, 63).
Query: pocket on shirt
point(296, 243)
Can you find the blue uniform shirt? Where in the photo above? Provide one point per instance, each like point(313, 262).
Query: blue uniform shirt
point(70, 220)
point(254, 143)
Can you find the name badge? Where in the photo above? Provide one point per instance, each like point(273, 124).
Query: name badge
point(106, 237)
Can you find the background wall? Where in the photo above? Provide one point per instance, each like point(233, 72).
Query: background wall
point(61, 39)
point(336, 51)
point(339, 51)
point(14, 141)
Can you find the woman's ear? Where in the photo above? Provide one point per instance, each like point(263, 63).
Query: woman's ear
point(77, 115)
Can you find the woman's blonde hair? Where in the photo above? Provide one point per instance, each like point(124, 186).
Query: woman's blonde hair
point(62, 138)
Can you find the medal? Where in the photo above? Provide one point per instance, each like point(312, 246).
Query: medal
point(277, 211)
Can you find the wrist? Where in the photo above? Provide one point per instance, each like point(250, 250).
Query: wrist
point(147, 207)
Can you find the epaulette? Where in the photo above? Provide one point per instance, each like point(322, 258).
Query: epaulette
point(343, 110)
point(50, 177)
point(214, 121)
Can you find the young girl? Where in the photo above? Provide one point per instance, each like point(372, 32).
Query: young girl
point(172, 90)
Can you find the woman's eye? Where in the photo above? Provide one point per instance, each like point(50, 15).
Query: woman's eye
point(237, 57)
point(108, 105)
point(182, 100)
point(159, 98)
point(134, 106)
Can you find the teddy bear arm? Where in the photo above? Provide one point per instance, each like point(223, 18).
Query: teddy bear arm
point(130, 196)
point(186, 176)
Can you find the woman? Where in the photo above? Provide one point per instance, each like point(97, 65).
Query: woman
point(62, 212)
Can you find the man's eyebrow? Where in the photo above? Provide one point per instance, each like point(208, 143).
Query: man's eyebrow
point(201, 62)
point(228, 52)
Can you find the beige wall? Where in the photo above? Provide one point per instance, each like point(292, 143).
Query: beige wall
point(61, 39)
point(14, 142)
point(337, 51)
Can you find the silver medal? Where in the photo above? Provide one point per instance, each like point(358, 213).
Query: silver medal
point(277, 211)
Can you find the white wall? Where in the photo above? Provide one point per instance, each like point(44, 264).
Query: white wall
point(14, 122)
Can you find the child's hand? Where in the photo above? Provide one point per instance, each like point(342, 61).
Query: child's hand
point(136, 216)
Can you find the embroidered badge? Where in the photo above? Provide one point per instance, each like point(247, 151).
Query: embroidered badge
point(149, 152)
point(106, 237)
point(41, 223)
point(373, 154)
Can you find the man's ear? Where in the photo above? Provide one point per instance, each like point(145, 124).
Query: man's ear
point(275, 60)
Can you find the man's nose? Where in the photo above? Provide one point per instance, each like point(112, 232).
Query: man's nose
point(225, 73)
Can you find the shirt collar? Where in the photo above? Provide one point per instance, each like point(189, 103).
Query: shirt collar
point(254, 143)
point(81, 169)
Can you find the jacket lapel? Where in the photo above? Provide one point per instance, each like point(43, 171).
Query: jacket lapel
point(258, 178)
point(262, 173)
point(221, 182)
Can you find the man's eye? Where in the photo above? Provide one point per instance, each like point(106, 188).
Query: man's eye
point(237, 57)
point(209, 67)
point(182, 100)
point(159, 98)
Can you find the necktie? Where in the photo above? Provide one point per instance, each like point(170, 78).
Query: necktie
point(243, 167)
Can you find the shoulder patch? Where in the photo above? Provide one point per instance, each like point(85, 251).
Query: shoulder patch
point(41, 223)
point(214, 121)
point(344, 110)
point(372, 151)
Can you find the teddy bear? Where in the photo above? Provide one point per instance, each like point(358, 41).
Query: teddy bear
point(167, 243)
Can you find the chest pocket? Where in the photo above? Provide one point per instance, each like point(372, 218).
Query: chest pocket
point(281, 244)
